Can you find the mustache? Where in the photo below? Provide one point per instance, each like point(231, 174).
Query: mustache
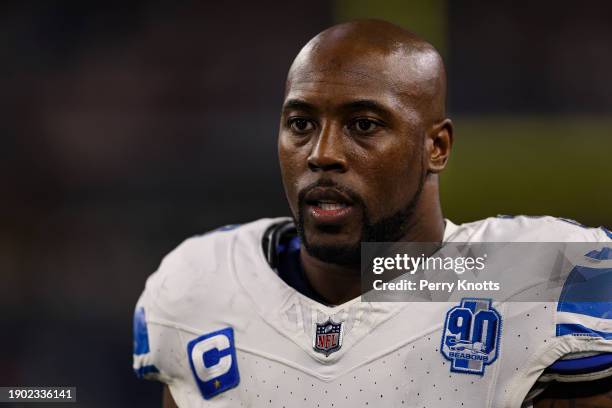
point(328, 183)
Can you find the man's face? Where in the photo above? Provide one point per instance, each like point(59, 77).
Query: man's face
point(351, 152)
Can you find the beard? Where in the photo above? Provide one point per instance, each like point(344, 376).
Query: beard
point(388, 229)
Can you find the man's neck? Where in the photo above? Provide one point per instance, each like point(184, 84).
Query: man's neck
point(336, 284)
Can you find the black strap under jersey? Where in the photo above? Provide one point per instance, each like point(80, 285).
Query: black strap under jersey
point(272, 238)
point(280, 246)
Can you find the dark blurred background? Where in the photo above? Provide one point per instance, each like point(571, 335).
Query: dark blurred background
point(128, 126)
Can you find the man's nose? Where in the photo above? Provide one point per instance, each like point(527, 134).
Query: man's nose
point(328, 153)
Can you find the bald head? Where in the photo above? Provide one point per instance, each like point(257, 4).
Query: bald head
point(375, 51)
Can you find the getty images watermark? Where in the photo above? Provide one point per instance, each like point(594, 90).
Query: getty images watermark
point(412, 264)
point(499, 271)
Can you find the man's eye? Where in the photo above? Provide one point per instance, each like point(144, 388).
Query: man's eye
point(364, 126)
point(301, 125)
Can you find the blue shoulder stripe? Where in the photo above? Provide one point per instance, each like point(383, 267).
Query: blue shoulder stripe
point(141, 343)
point(580, 330)
point(587, 291)
point(144, 370)
point(601, 310)
point(582, 365)
point(227, 227)
point(603, 254)
point(141, 335)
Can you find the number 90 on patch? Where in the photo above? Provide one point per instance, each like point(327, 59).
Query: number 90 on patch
point(471, 336)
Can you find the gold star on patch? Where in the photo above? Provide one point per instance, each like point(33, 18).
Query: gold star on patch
point(217, 384)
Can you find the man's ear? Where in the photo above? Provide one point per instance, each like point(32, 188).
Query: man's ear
point(438, 144)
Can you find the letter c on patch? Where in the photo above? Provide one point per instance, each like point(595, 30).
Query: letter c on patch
point(207, 361)
point(212, 358)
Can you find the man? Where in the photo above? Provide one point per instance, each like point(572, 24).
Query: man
point(269, 313)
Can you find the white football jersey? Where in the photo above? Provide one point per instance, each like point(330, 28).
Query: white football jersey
point(222, 329)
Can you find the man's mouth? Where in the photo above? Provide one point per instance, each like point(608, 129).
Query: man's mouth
point(328, 205)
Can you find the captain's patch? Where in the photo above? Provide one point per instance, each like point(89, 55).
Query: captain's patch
point(212, 358)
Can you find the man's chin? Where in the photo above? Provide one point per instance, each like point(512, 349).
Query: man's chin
point(346, 255)
point(338, 244)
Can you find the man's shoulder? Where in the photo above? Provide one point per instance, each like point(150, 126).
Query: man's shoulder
point(523, 228)
point(191, 272)
point(204, 251)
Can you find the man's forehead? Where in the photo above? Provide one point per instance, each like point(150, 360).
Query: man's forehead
point(340, 92)
point(325, 90)
point(400, 75)
point(342, 97)
point(350, 76)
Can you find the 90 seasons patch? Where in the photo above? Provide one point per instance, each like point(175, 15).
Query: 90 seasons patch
point(327, 337)
point(471, 336)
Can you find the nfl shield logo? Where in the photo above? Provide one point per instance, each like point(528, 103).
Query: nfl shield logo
point(328, 337)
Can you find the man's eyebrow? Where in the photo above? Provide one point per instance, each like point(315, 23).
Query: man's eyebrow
point(360, 104)
point(365, 104)
point(298, 104)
